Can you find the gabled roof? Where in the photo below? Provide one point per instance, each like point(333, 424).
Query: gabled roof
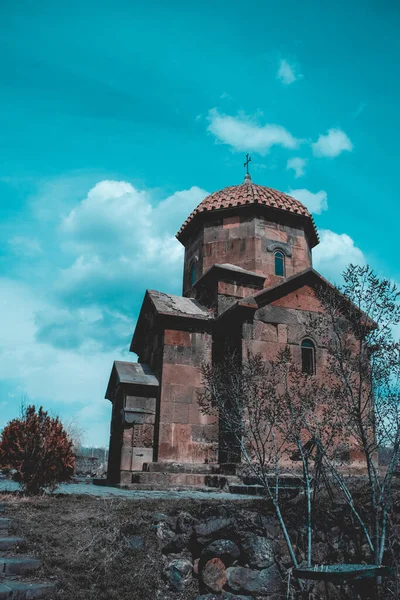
point(158, 304)
point(131, 373)
point(266, 296)
point(168, 304)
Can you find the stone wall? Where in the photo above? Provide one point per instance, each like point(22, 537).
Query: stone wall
point(184, 433)
point(247, 241)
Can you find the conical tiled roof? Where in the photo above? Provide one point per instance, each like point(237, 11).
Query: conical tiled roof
point(248, 193)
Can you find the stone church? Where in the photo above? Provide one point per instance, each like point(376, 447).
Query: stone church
point(247, 284)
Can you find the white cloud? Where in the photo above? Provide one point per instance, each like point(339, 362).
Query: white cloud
point(332, 144)
point(25, 246)
point(288, 73)
point(243, 133)
point(122, 243)
point(315, 202)
point(117, 218)
point(298, 165)
point(60, 337)
point(334, 253)
point(63, 381)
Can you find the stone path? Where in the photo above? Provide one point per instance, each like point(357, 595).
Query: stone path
point(15, 569)
point(103, 491)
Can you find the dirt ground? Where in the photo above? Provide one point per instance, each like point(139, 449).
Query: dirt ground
point(83, 543)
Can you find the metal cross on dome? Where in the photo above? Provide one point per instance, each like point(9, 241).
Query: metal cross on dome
point(246, 164)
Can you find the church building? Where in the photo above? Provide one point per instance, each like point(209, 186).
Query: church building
point(248, 285)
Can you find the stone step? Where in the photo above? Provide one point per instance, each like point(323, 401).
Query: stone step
point(174, 467)
point(150, 487)
point(199, 468)
point(9, 542)
point(18, 565)
point(182, 479)
point(11, 589)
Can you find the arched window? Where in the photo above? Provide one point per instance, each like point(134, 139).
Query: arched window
point(193, 273)
point(308, 357)
point(279, 263)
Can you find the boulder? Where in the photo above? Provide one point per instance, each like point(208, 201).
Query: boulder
point(258, 552)
point(213, 528)
point(256, 523)
point(248, 581)
point(178, 573)
point(227, 550)
point(213, 575)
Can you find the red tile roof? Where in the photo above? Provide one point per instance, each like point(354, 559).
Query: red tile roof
point(246, 194)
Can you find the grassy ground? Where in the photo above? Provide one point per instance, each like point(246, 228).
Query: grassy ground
point(83, 543)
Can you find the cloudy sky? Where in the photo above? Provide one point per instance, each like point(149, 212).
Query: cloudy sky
point(116, 119)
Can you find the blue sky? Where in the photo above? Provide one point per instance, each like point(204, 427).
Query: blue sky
point(117, 118)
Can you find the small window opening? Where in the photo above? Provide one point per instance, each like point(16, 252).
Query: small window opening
point(308, 357)
point(193, 274)
point(279, 264)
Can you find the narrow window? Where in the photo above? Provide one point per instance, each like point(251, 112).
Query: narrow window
point(279, 264)
point(308, 357)
point(193, 273)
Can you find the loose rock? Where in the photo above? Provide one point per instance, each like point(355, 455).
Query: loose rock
point(214, 575)
point(178, 573)
point(258, 551)
point(227, 550)
point(267, 581)
point(213, 528)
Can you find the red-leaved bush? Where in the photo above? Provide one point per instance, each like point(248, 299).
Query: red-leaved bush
point(39, 448)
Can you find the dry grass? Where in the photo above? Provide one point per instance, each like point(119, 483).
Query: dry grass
point(82, 542)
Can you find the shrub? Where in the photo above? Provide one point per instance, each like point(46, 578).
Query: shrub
point(39, 448)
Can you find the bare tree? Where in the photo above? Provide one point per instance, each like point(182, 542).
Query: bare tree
point(265, 411)
point(364, 366)
point(273, 413)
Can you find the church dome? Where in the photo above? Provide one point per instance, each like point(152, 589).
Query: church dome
point(248, 194)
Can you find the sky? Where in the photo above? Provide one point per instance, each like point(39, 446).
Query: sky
point(116, 120)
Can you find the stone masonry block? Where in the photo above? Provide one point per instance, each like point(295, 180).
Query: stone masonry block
point(126, 458)
point(205, 433)
point(282, 334)
point(229, 222)
point(181, 374)
point(174, 337)
point(178, 355)
point(178, 393)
